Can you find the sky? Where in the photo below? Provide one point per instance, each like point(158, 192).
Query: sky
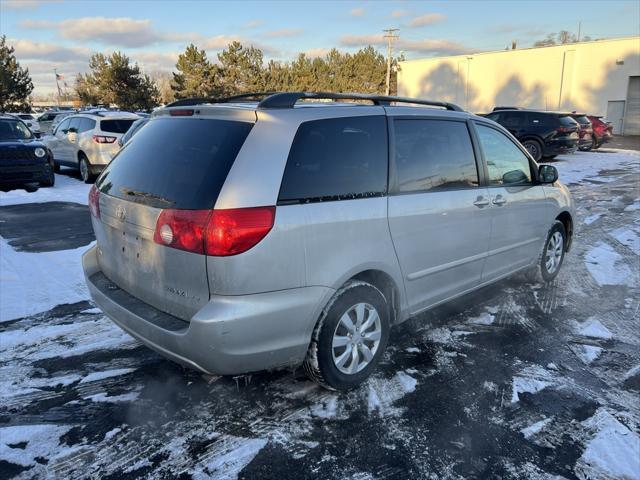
point(63, 34)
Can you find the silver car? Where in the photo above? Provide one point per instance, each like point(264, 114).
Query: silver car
point(88, 141)
point(241, 236)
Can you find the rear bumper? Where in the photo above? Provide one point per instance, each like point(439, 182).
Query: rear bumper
point(230, 335)
point(558, 147)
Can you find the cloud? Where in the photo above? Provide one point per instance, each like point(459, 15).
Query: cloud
point(424, 47)
point(427, 19)
point(122, 32)
point(25, 4)
point(399, 13)
point(30, 50)
point(317, 52)
point(284, 33)
point(156, 61)
point(357, 12)
point(221, 42)
point(254, 23)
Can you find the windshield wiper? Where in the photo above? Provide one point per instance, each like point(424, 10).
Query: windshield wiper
point(152, 196)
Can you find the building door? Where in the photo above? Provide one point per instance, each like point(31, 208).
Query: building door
point(615, 114)
point(632, 115)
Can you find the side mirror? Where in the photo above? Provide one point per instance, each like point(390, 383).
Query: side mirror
point(548, 174)
point(514, 177)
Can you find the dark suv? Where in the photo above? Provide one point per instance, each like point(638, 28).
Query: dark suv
point(543, 134)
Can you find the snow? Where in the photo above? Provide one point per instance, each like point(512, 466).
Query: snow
point(327, 408)
point(588, 353)
point(412, 350)
point(604, 265)
point(36, 282)
point(483, 319)
point(231, 463)
point(592, 218)
point(531, 379)
point(612, 453)
point(104, 397)
point(383, 393)
point(536, 428)
point(583, 165)
point(66, 189)
point(43, 441)
point(628, 238)
point(593, 328)
point(93, 377)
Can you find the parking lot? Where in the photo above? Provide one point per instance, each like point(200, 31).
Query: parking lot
point(516, 380)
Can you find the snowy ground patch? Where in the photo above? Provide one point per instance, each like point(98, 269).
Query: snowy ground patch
point(36, 282)
point(23, 444)
point(606, 267)
point(593, 328)
point(580, 166)
point(628, 238)
point(613, 452)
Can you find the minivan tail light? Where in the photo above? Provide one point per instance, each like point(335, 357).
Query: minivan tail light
point(104, 139)
point(182, 229)
point(236, 230)
point(185, 112)
point(214, 232)
point(94, 201)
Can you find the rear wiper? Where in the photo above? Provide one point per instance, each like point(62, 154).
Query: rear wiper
point(151, 196)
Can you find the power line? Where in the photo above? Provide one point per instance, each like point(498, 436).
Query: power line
point(391, 36)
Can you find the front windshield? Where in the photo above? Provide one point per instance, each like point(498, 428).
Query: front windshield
point(13, 130)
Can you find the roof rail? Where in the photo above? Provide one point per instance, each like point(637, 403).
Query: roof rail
point(289, 99)
point(185, 102)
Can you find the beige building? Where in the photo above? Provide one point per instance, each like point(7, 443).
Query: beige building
point(600, 77)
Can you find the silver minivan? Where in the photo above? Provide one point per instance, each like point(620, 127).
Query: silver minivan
point(237, 236)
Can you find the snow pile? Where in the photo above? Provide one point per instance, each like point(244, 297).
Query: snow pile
point(592, 218)
point(593, 328)
point(36, 282)
point(603, 264)
point(483, 319)
point(614, 451)
point(326, 408)
point(23, 444)
point(95, 376)
point(239, 453)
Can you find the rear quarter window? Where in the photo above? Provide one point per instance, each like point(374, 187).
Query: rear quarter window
point(175, 163)
point(337, 159)
point(116, 126)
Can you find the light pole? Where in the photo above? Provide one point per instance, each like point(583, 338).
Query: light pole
point(391, 36)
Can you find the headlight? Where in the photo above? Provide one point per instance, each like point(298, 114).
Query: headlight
point(40, 152)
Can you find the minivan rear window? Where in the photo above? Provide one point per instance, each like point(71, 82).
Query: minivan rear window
point(116, 126)
point(175, 163)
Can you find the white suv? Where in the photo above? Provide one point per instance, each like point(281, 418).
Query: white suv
point(88, 141)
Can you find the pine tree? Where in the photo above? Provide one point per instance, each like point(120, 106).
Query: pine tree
point(15, 81)
point(242, 69)
point(196, 76)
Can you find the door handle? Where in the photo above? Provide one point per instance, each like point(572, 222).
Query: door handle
point(481, 202)
point(499, 200)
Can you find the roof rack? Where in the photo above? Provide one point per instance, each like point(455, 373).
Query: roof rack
point(185, 102)
point(289, 99)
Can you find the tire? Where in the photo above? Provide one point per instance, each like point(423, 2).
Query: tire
point(542, 272)
point(534, 147)
point(336, 368)
point(51, 179)
point(586, 148)
point(56, 167)
point(85, 169)
point(595, 144)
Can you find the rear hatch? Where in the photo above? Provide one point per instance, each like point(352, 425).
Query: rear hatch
point(568, 128)
point(173, 163)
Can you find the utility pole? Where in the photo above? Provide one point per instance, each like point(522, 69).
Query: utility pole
point(391, 35)
point(579, 29)
point(55, 71)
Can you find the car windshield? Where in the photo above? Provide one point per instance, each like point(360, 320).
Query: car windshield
point(13, 130)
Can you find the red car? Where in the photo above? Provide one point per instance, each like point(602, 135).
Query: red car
point(602, 130)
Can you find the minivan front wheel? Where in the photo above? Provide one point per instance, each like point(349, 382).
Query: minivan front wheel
point(534, 148)
point(350, 337)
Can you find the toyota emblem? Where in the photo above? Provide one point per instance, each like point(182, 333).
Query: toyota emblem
point(121, 213)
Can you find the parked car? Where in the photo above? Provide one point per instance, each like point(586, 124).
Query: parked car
point(30, 121)
point(585, 133)
point(88, 141)
point(47, 119)
point(24, 160)
point(135, 126)
point(602, 130)
point(544, 134)
point(249, 236)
